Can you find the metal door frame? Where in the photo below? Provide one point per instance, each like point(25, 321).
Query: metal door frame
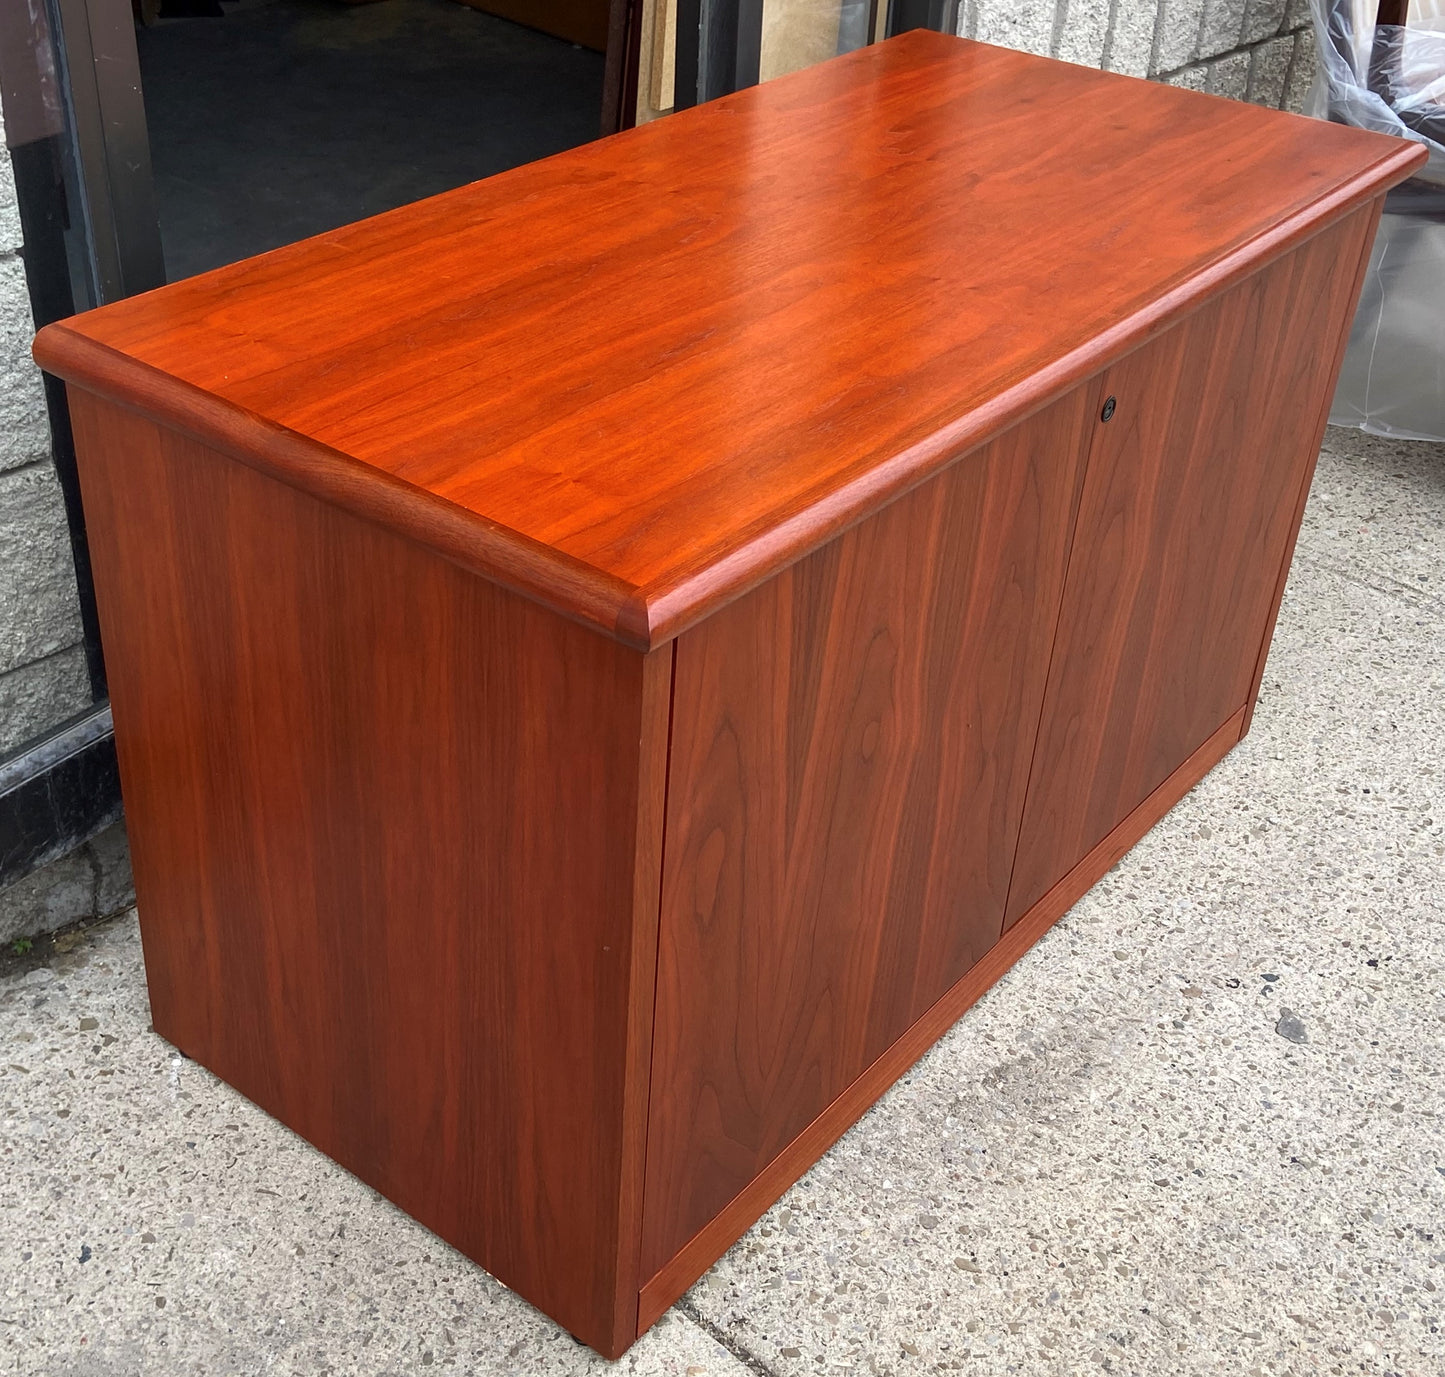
point(727, 48)
point(75, 127)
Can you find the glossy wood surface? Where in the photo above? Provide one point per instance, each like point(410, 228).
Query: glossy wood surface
point(579, 946)
point(1331, 371)
point(850, 748)
point(396, 836)
point(633, 380)
point(729, 1224)
point(1187, 517)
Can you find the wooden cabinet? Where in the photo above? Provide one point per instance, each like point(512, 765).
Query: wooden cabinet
point(851, 745)
point(1192, 497)
point(610, 662)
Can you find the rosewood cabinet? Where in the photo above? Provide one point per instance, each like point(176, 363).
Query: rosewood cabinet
point(610, 662)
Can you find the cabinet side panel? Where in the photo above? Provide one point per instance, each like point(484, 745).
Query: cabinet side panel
point(1369, 218)
point(387, 821)
point(850, 748)
point(1187, 516)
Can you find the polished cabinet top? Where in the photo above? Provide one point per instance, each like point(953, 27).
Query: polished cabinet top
point(632, 380)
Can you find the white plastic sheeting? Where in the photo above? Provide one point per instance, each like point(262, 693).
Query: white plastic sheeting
point(1392, 80)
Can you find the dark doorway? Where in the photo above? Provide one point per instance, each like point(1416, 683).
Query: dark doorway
point(272, 120)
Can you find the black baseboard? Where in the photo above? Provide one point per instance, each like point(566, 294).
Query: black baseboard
point(57, 794)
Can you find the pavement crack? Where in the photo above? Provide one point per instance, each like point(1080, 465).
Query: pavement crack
point(1419, 598)
point(745, 1356)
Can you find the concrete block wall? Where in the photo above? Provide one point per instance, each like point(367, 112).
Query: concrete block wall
point(1256, 50)
point(43, 677)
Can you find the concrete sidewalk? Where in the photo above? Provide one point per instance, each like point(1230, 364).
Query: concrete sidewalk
point(1197, 1130)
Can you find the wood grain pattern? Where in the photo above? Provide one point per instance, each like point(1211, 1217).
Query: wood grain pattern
point(396, 836)
point(650, 372)
point(679, 1272)
point(1371, 215)
point(849, 754)
point(581, 949)
point(1185, 524)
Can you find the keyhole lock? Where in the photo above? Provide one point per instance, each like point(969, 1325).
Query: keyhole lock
point(1108, 410)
